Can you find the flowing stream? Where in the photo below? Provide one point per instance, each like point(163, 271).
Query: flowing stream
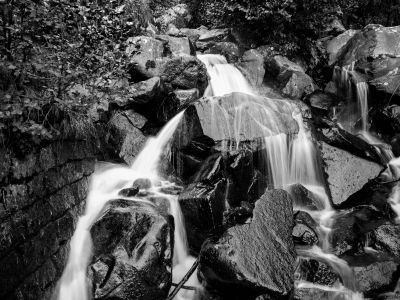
point(291, 158)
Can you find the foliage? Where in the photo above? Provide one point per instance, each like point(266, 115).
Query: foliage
point(61, 52)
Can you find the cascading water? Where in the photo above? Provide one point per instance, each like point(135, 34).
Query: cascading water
point(290, 159)
point(104, 186)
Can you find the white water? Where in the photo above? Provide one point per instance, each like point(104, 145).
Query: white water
point(104, 186)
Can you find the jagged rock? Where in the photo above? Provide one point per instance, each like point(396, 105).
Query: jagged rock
point(186, 72)
point(202, 206)
point(375, 53)
point(177, 46)
point(192, 33)
point(187, 97)
point(346, 173)
point(177, 15)
point(385, 238)
point(238, 215)
point(374, 277)
point(127, 140)
point(355, 144)
point(228, 49)
point(148, 92)
point(147, 56)
point(291, 78)
point(304, 230)
point(386, 120)
point(256, 258)
point(375, 193)
point(316, 272)
point(135, 118)
point(350, 228)
point(251, 64)
point(337, 44)
point(128, 192)
point(208, 38)
point(303, 198)
point(132, 253)
point(322, 101)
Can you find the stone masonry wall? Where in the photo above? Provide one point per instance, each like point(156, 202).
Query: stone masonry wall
point(41, 196)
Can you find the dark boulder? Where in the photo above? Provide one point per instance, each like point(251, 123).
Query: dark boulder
point(377, 277)
point(385, 239)
point(346, 173)
point(126, 139)
point(254, 259)
point(132, 253)
point(147, 92)
point(210, 37)
point(228, 49)
point(350, 229)
point(305, 229)
point(202, 206)
point(303, 198)
point(386, 120)
point(375, 53)
point(316, 272)
point(290, 77)
point(185, 72)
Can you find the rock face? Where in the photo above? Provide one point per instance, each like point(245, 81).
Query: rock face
point(132, 248)
point(251, 65)
point(337, 44)
point(291, 78)
point(42, 193)
point(375, 51)
point(127, 139)
point(346, 173)
point(185, 73)
point(257, 258)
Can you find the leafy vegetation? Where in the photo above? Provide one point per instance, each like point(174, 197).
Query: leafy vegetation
point(61, 55)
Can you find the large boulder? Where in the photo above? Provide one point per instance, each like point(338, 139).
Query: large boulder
point(210, 37)
point(132, 253)
point(337, 44)
point(375, 53)
point(185, 72)
point(126, 139)
point(217, 117)
point(228, 49)
point(346, 173)
point(256, 258)
point(146, 55)
point(385, 238)
point(178, 46)
point(291, 78)
point(202, 206)
point(251, 64)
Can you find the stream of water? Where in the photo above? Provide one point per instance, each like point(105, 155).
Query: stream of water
point(291, 158)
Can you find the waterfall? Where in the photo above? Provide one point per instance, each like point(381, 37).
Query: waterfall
point(104, 186)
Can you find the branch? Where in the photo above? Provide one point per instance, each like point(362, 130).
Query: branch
point(184, 279)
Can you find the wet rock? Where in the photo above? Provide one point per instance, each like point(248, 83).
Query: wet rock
point(192, 33)
point(251, 64)
point(200, 120)
point(177, 15)
point(350, 228)
point(215, 35)
point(375, 277)
point(142, 183)
point(238, 215)
point(228, 49)
point(304, 230)
point(337, 44)
point(385, 238)
point(291, 78)
point(128, 192)
point(254, 259)
point(386, 120)
point(346, 173)
point(375, 193)
point(202, 206)
point(322, 101)
point(135, 118)
point(303, 198)
point(127, 140)
point(375, 53)
point(185, 73)
point(187, 97)
point(132, 247)
point(147, 56)
point(316, 272)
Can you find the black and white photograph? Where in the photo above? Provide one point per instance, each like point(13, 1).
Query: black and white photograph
point(200, 149)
